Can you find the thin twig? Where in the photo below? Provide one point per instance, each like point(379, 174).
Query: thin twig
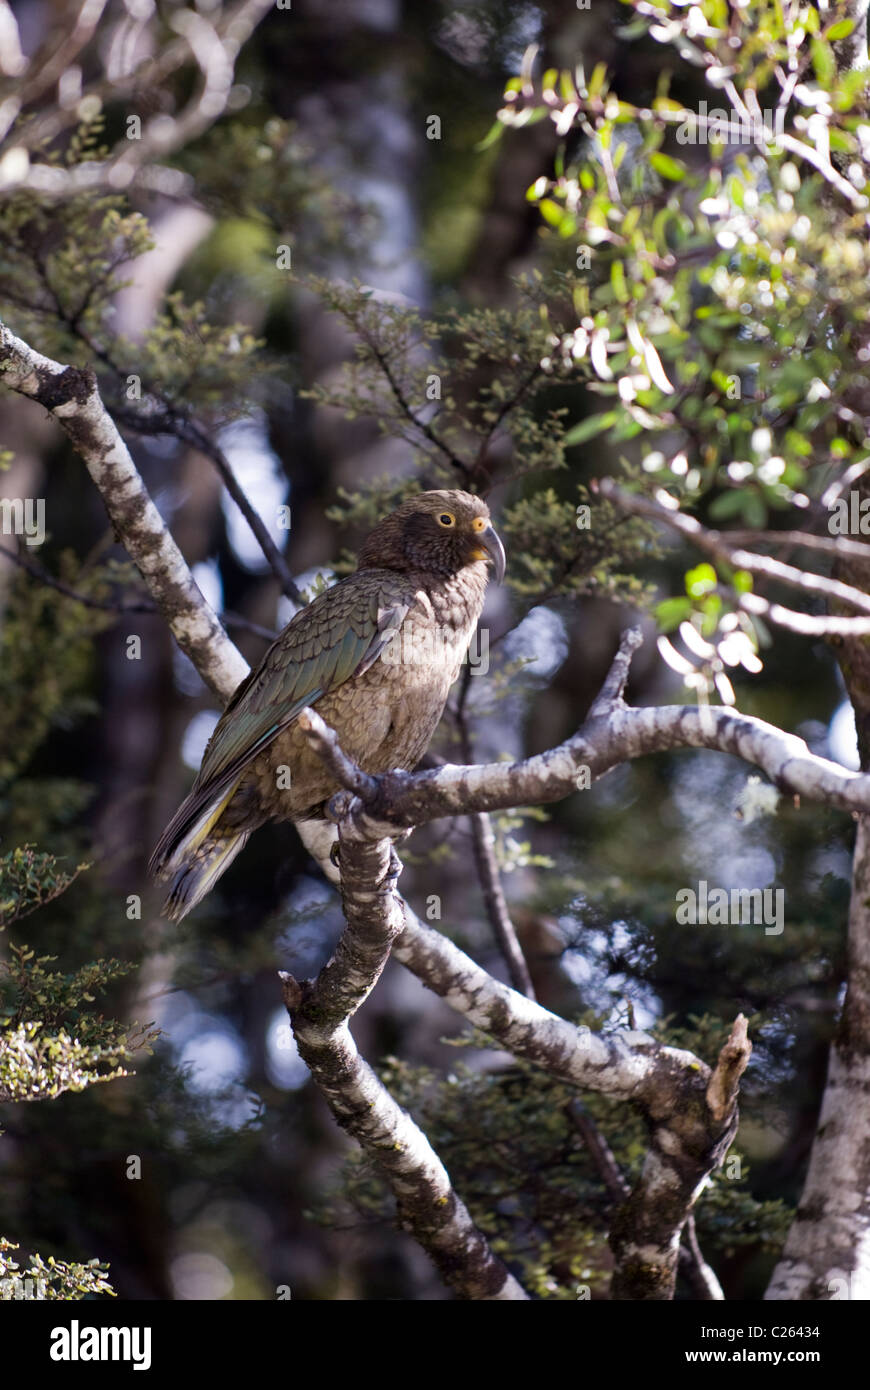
point(404, 405)
point(488, 871)
point(44, 576)
point(195, 435)
point(831, 545)
point(496, 904)
point(600, 1150)
point(714, 543)
point(174, 421)
point(612, 691)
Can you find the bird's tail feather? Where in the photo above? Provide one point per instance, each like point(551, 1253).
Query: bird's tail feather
point(198, 874)
point(191, 856)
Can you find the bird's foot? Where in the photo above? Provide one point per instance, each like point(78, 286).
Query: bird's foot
point(393, 874)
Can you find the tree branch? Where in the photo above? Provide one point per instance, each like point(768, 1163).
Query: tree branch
point(213, 44)
point(686, 1141)
point(406, 799)
point(170, 420)
point(496, 904)
point(43, 576)
point(488, 873)
point(70, 394)
point(715, 544)
point(427, 1205)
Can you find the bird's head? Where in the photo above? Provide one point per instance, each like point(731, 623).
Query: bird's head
point(440, 532)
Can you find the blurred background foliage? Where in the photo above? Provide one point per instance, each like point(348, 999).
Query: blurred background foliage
point(346, 310)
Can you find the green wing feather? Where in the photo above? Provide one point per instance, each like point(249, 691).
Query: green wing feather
point(341, 633)
point(323, 646)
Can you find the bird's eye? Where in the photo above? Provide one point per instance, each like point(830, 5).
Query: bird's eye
point(446, 519)
point(479, 523)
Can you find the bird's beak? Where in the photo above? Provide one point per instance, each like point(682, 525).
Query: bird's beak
point(492, 548)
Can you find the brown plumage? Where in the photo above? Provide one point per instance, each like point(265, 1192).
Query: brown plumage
point(376, 654)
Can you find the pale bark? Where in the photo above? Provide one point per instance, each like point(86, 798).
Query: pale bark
point(319, 1011)
point(719, 546)
point(827, 1251)
point(687, 1141)
point(603, 743)
point(72, 397)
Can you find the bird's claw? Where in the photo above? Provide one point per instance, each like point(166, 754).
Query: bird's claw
point(393, 874)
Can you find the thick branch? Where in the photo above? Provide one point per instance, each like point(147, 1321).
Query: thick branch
point(612, 693)
point(693, 1266)
point(827, 1250)
point(70, 394)
point(686, 1138)
point(325, 743)
point(686, 1141)
point(406, 799)
point(427, 1205)
point(428, 1208)
point(725, 1081)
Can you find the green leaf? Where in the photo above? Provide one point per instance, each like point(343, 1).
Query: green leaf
point(551, 212)
point(729, 504)
point(671, 612)
point(840, 30)
point(824, 62)
point(597, 80)
point(669, 168)
point(754, 510)
point(701, 580)
point(617, 280)
point(588, 428)
point(494, 133)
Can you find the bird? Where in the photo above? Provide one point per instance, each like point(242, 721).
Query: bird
point(375, 655)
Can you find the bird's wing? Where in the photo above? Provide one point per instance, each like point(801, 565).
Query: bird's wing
point(337, 636)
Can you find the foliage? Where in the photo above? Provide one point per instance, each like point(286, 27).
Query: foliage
point(719, 294)
point(49, 1279)
point(473, 413)
point(51, 1039)
point(509, 1136)
point(265, 171)
point(697, 324)
point(29, 880)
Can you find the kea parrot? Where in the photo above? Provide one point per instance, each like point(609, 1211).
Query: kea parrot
point(376, 654)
